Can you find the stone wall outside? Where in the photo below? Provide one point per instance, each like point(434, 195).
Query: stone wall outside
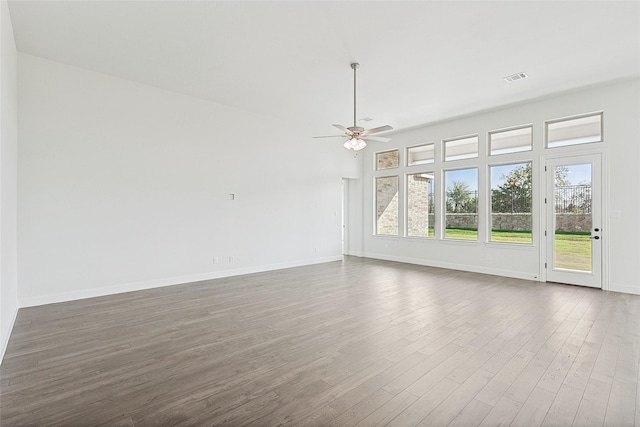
point(573, 222)
point(518, 222)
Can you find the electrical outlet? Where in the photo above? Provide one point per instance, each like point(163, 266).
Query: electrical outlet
point(215, 260)
point(231, 258)
point(488, 257)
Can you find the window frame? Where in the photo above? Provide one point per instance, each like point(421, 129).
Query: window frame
point(489, 228)
point(567, 119)
point(433, 160)
point(447, 140)
point(375, 205)
point(443, 208)
point(508, 129)
point(375, 159)
point(406, 204)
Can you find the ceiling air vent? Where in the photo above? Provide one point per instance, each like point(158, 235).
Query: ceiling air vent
point(514, 77)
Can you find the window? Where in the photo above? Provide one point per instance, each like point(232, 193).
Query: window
point(511, 203)
point(420, 209)
point(461, 221)
point(577, 130)
point(420, 155)
point(387, 205)
point(510, 141)
point(387, 160)
point(461, 148)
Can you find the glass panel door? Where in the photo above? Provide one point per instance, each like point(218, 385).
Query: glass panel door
point(574, 232)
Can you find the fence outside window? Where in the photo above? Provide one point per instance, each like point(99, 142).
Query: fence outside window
point(573, 199)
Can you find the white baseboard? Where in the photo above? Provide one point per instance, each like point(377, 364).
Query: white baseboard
point(139, 286)
point(355, 253)
point(5, 343)
point(454, 266)
point(617, 287)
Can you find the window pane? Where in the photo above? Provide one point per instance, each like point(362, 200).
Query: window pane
point(462, 204)
point(510, 141)
point(420, 211)
point(463, 148)
point(387, 205)
point(420, 155)
point(511, 203)
point(387, 160)
point(573, 217)
point(581, 130)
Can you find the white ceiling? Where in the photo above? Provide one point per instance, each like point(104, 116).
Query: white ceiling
point(420, 61)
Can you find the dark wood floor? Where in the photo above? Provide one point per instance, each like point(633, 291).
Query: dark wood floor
point(359, 342)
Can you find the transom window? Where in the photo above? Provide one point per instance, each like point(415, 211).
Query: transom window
point(421, 154)
point(387, 160)
point(461, 148)
point(510, 141)
point(578, 130)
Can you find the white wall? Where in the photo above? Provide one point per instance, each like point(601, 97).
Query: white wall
point(621, 105)
point(124, 186)
point(353, 219)
point(8, 178)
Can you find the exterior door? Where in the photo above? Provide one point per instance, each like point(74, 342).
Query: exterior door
point(574, 231)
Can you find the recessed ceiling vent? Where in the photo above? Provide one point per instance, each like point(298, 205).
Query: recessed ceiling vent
point(514, 77)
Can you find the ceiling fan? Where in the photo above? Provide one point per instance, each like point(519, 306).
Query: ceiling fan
point(358, 135)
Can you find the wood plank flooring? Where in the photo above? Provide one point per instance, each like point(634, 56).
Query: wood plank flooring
point(354, 343)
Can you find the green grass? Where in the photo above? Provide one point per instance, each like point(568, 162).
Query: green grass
point(461, 233)
point(507, 236)
point(510, 236)
point(573, 249)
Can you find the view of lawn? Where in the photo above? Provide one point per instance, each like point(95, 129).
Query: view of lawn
point(573, 250)
point(461, 233)
point(511, 236)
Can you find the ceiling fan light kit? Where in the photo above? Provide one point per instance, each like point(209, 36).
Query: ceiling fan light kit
point(355, 144)
point(358, 135)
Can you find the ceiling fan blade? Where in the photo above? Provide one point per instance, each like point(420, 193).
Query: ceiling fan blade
point(331, 136)
point(376, 130)
point(376, 138)
point(342, 128)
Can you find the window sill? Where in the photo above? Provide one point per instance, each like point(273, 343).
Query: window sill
point(510, 246)
point(459, 242)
